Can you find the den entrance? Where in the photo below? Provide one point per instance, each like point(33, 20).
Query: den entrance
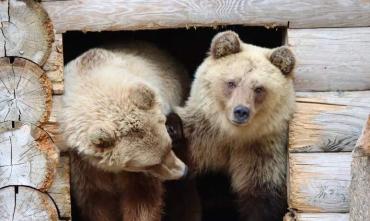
point(189, 46)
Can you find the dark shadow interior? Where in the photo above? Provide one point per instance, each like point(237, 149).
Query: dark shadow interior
point(189, 46)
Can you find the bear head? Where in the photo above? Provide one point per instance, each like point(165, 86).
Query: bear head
point(245, 87)
point(115, 123)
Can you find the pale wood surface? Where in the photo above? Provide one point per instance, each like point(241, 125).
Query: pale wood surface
point(331, 59)
point(54, 65)
point(27, 157)
point(26, 204)
point(60, 189)
point(322, 217)
point(25, 92)
point(319, 182)
point(328, 121)
point(26, 30)
point(97, 15)
point(360, 183)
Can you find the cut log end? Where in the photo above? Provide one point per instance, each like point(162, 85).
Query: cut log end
point(27, 31)
point(24, 203)
point(25, 92)
point(27, 157)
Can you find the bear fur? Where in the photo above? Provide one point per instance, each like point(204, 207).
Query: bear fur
point(113, 123)
point(252, 152)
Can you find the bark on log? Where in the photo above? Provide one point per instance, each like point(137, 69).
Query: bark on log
point(26, 30)
point(25, 92)
point(360, 183)
point(55, 64)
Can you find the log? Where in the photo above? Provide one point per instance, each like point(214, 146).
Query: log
point(26, 30)
point(319, 182)
point(360, 178)
point(27, 157)
point(25, 92)
point(24, 203)
point(331, 59)
point(317, 217)
point(54, 65)
point(328, 121)
point(112, 15)
point(60, 189)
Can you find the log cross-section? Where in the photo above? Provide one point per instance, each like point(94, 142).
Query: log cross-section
point(26, 204)
point(26, 30)
point(27, 157)
point(25, 92)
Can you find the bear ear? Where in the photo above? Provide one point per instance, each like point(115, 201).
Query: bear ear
point(284, 59)
point(102, 136)
point(92, 59)
point(142, 96)
point(225, 43)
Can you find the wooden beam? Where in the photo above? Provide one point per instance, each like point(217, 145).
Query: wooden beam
point(331, 59)
point(317, 217)
point(54, 65)
point(360, 184)
point(328, 121)
point(97, 15)
point(60, 189)
point(318, 182)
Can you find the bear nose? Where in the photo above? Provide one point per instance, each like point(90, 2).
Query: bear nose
point(241, 114)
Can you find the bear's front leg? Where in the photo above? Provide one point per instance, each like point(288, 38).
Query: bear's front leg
point(143, 198)
point(258, 177)
point(263, 206)
point(99, 206)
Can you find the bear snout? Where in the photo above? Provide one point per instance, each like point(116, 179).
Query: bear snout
point(241, 114)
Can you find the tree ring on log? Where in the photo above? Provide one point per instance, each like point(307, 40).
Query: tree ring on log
point(28, 156)
point(25, 92)
point(28, 32)
point(25, 203)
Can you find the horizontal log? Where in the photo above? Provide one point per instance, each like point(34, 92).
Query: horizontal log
point(97, 15)
point(319, 217)
point(331, 59)
point(328, 121)
point(319, 182)
point(54, 65)
point(360, 174)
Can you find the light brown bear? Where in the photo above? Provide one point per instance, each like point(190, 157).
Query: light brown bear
point(236, 122)
point(113, 122)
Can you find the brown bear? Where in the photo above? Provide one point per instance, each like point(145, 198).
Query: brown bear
point(113, 123)
point(236, 122)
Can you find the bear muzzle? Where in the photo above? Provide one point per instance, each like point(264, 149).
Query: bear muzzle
point(241, 114)
point(172, 168)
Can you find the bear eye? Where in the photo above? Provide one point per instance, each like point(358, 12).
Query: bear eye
point(259, 90)
point(231, 84)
